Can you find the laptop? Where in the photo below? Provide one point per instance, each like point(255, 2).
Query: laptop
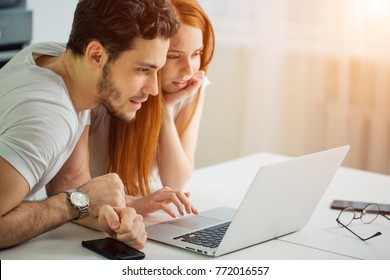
point(280, 200)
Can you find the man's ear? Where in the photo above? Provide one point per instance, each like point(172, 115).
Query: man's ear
point(95, 54)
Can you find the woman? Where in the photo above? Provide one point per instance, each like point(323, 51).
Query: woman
point(163, 137)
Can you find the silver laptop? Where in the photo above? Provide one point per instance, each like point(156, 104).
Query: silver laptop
point(279, 201)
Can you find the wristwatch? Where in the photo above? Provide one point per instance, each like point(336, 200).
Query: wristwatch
point(79, 200)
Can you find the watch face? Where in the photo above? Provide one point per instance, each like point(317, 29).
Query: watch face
point(79, 199)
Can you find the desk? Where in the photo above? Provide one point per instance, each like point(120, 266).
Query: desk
point(225, 184)
point(322, 231)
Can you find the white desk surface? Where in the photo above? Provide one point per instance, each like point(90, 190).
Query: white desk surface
point(224, 185)
point(322, 232)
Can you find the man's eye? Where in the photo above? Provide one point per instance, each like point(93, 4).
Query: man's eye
point(143, 70)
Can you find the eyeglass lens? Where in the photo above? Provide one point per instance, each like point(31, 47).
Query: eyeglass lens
point(367, 215)
point(370, 213)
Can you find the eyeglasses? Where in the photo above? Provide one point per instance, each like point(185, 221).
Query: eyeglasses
point(367, 216)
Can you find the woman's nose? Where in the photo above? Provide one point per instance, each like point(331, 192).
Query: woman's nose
point(186, 69)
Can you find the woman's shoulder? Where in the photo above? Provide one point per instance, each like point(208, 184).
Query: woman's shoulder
point(206, 82)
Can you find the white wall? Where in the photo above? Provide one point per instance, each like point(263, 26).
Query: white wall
point(299, 76)
point(52, 19)
point(290, 77)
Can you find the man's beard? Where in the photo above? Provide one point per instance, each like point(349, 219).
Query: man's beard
point(108, 92)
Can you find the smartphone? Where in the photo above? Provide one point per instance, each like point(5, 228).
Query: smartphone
point(113, 249)
point(359, 205)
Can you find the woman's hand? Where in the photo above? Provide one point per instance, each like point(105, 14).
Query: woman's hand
point(172, 98)
point(162, 200)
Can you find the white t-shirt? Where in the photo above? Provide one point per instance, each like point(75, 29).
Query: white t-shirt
point(39, 126)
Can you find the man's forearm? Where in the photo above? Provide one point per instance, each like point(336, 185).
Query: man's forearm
point(30, 219)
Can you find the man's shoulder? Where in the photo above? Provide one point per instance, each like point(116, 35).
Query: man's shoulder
point(30, 52)
point(47, 48)
point(26, 57)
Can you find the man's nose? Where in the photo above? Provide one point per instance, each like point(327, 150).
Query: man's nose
point(151, 88)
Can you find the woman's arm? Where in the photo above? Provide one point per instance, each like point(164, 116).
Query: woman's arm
point(176, 152)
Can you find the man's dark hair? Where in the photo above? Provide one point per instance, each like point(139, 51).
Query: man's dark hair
point(117, 23)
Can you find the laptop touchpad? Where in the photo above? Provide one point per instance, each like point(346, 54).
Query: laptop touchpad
point(193, 222)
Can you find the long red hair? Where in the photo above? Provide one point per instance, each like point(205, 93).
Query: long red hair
point(133, 146)
point(191, 13)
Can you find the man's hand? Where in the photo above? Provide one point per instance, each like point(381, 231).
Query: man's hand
point(102, 190)
point(123, 224)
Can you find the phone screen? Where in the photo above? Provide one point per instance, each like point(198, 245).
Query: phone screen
point(113, 249)
point(358, 205)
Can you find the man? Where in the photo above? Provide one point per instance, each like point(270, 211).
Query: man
point(112, 57)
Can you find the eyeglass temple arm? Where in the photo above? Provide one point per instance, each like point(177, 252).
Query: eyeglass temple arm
point(385, 216)
point(363, 239)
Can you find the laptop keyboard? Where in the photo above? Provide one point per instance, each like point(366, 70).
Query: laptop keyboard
point(209, 237)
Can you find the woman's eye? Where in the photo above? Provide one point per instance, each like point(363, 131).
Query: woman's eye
point(173, 56)
point(198, 53)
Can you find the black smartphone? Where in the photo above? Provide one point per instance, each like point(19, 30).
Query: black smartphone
point(113, 249)
point(359, 205)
